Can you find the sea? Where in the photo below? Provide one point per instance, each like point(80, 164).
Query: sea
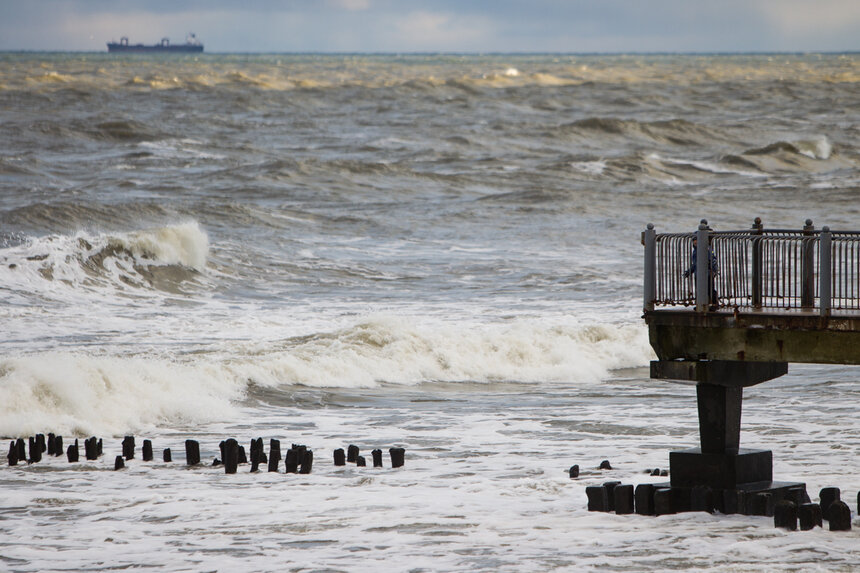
point(435, 252)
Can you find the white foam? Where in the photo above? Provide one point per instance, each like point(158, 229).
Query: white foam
point(56, 266)
point(85, 393)
point(816, 148)
point(401, 350)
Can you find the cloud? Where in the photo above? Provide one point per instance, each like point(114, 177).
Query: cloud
point(442, 31)
point(807, 19)
point(350, 5)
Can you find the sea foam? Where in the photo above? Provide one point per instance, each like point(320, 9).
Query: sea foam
point(81, 393)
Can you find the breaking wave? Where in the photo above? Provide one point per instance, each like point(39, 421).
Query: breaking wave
point(84, 394)
point(160, 258)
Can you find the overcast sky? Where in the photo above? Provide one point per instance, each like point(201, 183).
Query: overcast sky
point(438, 25)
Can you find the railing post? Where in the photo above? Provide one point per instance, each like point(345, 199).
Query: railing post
point(807, 270)
point(650, 288)
point(703, 291)
point(757, 277)
point(824, 272)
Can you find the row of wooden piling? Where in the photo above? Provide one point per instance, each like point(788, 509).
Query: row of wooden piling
point(297, 459)
point(790, 508)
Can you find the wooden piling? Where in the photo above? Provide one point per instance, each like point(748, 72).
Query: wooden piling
point(352, 453)
point(128, 447)
point(785, 515)
point(166, 455)
point(377, 458)
point(643, 496)
point(192, 452)
point(22, 449)
point(35, 451)
point(810, 516)
point(51, 444)
point(91, 448)
point(292, 461)
point(73, 453)
point(827, 496)
point(597, 498)
point(274, 454)
point(361, 462)
point(58, 446)
point(398, 456)
point(231, 456)
point(573, 472)
point(610, 493)
point(623, 499)
point(147, 450)
point(118, 463)
point(307, 462)
point(339, 457)
point(12, 457)
point(839, 516)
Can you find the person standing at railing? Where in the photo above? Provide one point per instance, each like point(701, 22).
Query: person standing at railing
point(713, 271)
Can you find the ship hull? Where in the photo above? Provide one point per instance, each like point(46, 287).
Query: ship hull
point(143, 49)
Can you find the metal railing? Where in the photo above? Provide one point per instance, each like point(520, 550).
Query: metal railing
point(754, 269)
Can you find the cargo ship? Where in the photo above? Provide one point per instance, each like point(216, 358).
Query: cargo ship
point(191, 45)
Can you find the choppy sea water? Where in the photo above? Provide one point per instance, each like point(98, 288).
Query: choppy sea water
point(439, 253)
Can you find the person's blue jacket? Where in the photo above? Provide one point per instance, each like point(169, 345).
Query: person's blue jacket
point(714, 267)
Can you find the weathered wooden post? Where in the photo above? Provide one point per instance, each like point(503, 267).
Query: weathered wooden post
point(35, 451)
point(274, 454)
point(361, 462)
point(51, 446)
point(785, 515)
point(230, 456)
point(118, 463)
point(339, 457)
point(624, 496)
point(809, 515)
point(307, 462)
point(398, 456)
point(91, 448)
point(292, 461)
point(128, 447)
point(377, 458)
point(147, 450)
point(839, 516)
point(12, 457)
point(22, 449)
point(192, 452)
point(166, 455)
point(73, 453)
point(352, 453)
point(826, 497)
point(58, 446)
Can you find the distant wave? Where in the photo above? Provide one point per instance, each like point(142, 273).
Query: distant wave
point(83, 394)
point(158, 258)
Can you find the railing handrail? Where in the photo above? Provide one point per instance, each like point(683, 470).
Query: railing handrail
point(807, 269)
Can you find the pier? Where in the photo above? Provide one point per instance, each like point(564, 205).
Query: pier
point(727, 310)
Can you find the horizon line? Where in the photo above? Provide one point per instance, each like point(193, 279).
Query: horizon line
point(471, 53)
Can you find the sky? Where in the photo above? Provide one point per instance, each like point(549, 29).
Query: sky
point(403, 26)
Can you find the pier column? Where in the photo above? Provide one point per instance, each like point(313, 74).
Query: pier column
point(719, 418)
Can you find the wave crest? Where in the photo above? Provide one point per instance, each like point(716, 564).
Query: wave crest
point(161, 258)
